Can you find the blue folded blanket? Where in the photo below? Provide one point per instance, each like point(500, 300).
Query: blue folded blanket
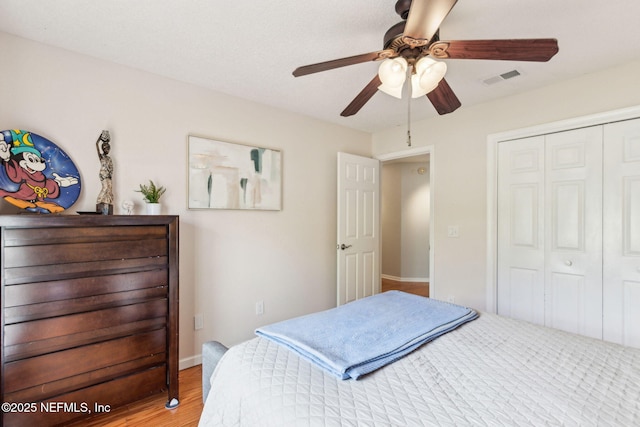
point(364, 335)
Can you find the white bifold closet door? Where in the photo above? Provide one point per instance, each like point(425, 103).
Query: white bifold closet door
point(573, 231)
point(521, 236)
point(569, 230)
point(550, 230)
point(621, 288)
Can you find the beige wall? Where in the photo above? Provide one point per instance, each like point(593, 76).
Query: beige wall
point(391, 220)
point(228, 259)
point(460, 162)
point(415, 221)
point(405, 221)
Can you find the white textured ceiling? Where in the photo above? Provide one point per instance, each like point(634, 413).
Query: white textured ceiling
point(249, 48)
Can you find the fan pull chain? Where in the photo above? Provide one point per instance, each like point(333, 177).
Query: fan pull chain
point(409, 122)
point(409, 107)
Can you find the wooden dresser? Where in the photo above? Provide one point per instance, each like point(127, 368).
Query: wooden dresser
point(89, 314)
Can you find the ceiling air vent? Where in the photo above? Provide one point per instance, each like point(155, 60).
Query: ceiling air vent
point(501, 77)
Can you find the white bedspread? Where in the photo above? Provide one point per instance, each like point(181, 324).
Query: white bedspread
point(490, 372)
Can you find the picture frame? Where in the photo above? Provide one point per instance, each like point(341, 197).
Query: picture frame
point(226, 175)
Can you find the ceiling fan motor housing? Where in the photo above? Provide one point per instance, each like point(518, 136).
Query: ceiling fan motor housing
point(393, 40)
point(402, 8)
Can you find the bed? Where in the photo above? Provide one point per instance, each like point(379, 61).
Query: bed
point(491, 371)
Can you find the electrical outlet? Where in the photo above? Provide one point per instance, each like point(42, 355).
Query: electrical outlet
point(198, 321)
point(453, 231)
point(451, 299)
point(259, 308)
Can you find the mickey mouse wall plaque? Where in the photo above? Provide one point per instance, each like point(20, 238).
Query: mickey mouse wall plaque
point(35, 174)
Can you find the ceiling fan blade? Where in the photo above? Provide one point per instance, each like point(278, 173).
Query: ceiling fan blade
point(362, 98)
point(425, 17)
point(539, 50)
point(343, 62)
point(443, 98)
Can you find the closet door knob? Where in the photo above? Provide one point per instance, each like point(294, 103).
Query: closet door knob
point(568, 263)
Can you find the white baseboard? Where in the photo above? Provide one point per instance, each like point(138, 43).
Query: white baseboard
point(190, 362)
point(404, 279)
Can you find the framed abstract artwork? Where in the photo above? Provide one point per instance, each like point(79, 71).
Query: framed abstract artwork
point(225, 175)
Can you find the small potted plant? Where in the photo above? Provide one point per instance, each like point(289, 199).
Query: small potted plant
point(152, 194)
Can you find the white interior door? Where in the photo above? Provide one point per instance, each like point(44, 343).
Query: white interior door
point(521, 229)
point(358, 241)
point(621, 298)
point(573, 228)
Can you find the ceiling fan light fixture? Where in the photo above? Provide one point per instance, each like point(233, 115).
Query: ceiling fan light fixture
point(428, 75)
point(393, 73)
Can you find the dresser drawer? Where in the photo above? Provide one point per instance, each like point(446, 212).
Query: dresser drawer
point(83, 402)
point(29, 339)
point(32, 301)
point(37, 255)
point(104, 357)
point(45, 234)
point(52, 255)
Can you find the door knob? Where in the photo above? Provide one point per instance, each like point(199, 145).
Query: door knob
point(568, 263)
point(343, 246)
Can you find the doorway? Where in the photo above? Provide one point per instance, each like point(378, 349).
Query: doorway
point(406, 221)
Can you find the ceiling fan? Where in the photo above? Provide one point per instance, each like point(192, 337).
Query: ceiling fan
point(411, 45)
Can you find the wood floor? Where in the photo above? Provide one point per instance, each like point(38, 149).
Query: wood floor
point(151, 411)
point(418, 288)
